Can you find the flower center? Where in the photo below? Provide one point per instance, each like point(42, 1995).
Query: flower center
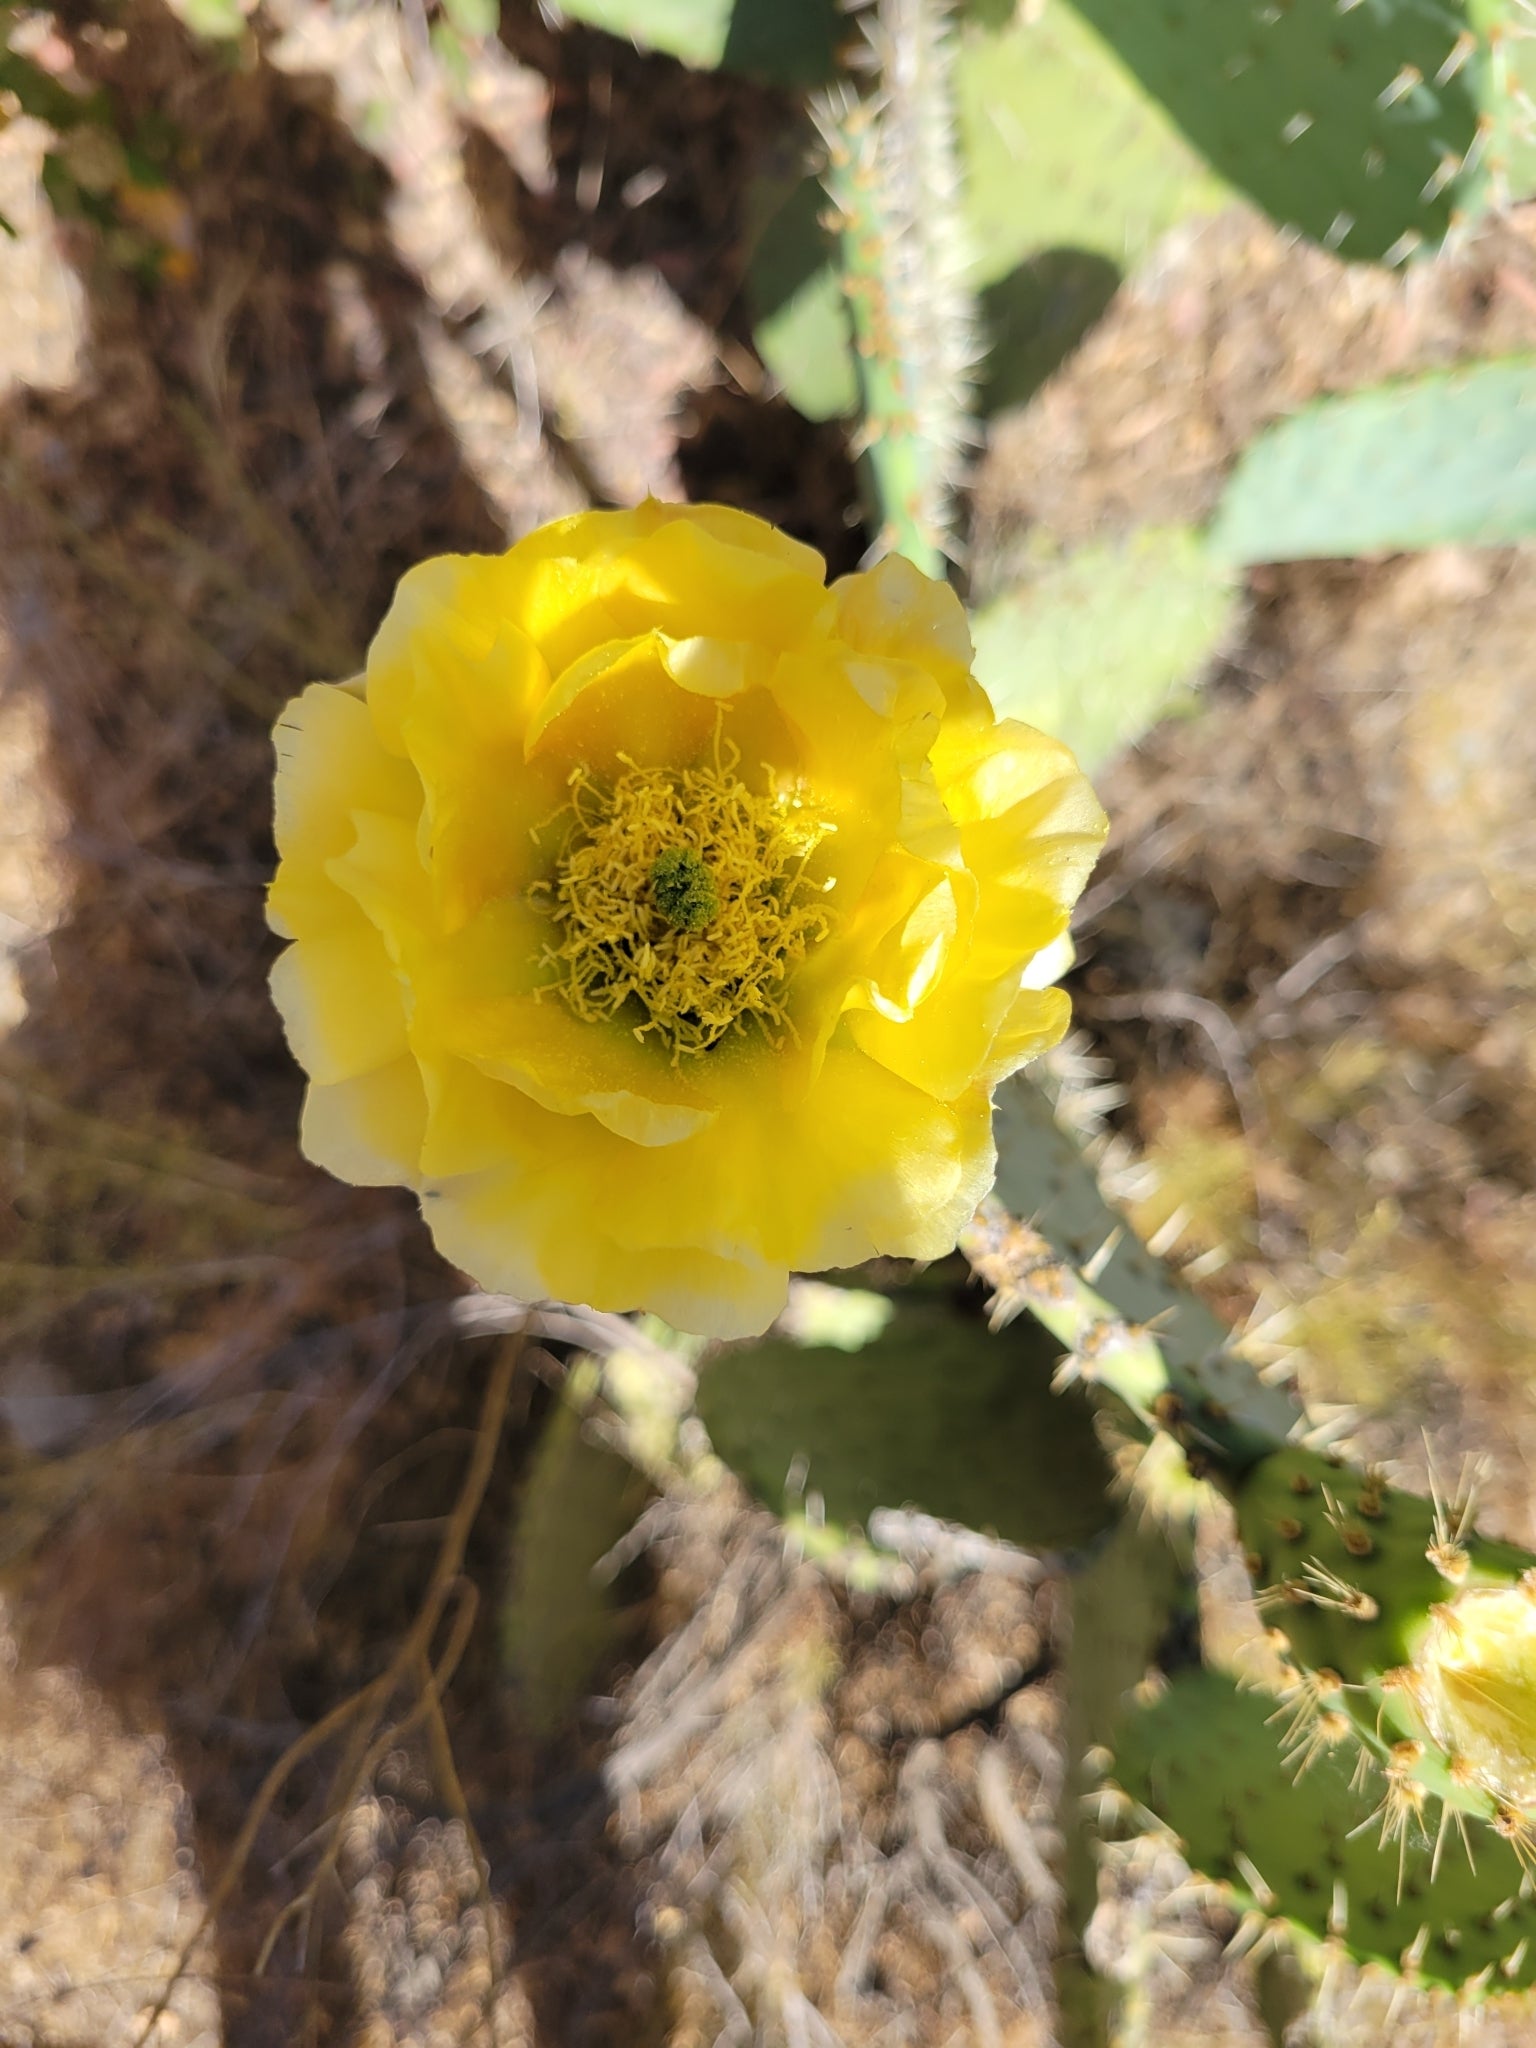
point(682, 894)
point(683, 889)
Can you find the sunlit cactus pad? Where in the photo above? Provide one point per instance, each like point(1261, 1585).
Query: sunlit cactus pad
point(1307, 1849)
point(1360, 125)
point(1439, 459)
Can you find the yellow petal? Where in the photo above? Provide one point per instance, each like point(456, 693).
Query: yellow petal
point(367, 1130)
point(497, 953)
point(865, 1164)
point(340, 1002)
point(500, 1228)
point(895, 609)
point(381, 874)
point(463, 732)
point(970, 1031)
point(986, 769)
point(330, 764)
point(630, 1086)
point(619, 700)
point(454, 628)
point(687, 580)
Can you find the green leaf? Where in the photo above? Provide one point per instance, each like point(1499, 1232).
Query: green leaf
point(1449, 457)
point(935, 1412)
point(1101, 642)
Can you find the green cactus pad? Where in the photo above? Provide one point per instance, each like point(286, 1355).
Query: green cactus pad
point(1442, 458)
point(557, 1620)
point(1202, 1760)
point(1306, 1519)
point(1100, 643)
point(1359, 125)
point(1133, 1329)
point(794, 41)
point(1368, 1599)
point(1300, 1520)
point(1070, 174)
point(934, 1412)
point(1063, 150)
point(800, 323)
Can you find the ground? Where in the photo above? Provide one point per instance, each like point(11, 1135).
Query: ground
point(259, 1478)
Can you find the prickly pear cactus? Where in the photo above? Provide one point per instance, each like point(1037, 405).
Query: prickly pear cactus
point(1303, 1845)
point(1410, 1642)
point(1368, 127)
point(1130, 1330)
point(931, 1411)
point(1431, 460)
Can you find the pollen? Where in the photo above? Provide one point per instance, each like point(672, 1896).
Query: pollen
point(681, 903)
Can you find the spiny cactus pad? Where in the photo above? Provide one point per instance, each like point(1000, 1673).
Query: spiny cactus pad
point(894, 181)
point(1361, 125)
point(1202, 1760)
point(1409, 1638)
point(1432, 460)
point(1130, 1328)
point(934, 1412)
point(557, 1620)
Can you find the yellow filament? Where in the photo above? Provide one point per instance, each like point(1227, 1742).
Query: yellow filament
point(622, 943)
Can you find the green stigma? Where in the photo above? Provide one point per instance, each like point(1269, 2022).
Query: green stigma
point(683, 889)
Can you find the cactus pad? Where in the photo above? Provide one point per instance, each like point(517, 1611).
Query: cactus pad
point(800, 320)
point(1442, 458)
point(1404, 1632)
point(934, 1412)
point(1365, 126)
point(1202, 1760)
point(1098, 644)
point(794, 41)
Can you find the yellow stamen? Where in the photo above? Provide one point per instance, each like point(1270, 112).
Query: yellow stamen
point(679, 896)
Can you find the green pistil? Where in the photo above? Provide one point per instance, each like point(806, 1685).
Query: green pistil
point(683, 889)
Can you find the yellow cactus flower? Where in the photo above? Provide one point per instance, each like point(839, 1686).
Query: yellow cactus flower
point(665, 918)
